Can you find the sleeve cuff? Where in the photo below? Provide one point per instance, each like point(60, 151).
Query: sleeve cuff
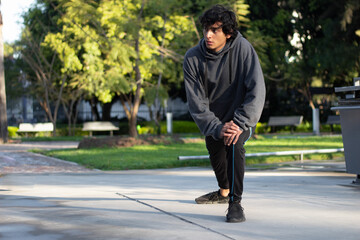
point(218, 131)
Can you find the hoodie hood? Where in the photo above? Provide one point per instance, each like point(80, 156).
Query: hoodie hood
point(208, 54)
point(214, 56)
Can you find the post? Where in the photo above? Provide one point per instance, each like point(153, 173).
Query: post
point(3, 114)
point(316, 121)
point(357, 81)
point(169, 124)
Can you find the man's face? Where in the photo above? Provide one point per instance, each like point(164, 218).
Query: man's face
point(215, 39)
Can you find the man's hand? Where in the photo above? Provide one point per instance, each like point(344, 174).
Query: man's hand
point(225, 129)
point(230, 132)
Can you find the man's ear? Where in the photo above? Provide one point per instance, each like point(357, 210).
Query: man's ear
point(228, 35)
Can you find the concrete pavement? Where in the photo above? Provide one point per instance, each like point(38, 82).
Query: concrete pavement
point(15, 158)
point(303, 201)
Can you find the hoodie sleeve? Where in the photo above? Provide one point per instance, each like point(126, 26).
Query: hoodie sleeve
point(198, 103)
point(249, 113)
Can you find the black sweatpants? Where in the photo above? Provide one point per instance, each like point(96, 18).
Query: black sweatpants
point(228, 163)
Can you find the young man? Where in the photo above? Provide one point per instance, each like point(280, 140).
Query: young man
point(225, 92)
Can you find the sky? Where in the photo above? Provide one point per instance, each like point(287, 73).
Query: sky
point(12, 22)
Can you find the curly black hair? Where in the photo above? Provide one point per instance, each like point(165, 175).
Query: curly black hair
point(220, 13)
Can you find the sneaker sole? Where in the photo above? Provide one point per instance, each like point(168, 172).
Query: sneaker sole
point(235, 220)
point(208, 202)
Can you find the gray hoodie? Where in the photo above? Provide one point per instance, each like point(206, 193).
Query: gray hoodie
point(223, 86)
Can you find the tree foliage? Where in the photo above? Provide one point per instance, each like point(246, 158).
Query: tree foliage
point(116, 48)
point(304, 44)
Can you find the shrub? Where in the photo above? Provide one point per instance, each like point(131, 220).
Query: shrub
point(185, 127)
point(261, 128)
point(304, 127)
point(145, 129)
point(63, 130)
point(12, 131)
point(178, 127)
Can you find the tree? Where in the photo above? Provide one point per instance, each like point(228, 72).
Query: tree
point(94, 33)
point(48, 85)
point(42, 70)
point(50, 72)
point(326, 50)
point(269, 31)
point(3, 114)
point(117, 44)
point(304, 43)
point(172, 29)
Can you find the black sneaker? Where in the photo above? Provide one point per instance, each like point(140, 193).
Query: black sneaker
point(235, 213)
point(212, 198)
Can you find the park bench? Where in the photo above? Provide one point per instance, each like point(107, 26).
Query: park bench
point(35, 127)
point(331, 120)
point(99, 126)
point(282, 121)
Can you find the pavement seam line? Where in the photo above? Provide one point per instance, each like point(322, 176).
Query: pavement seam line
point(175, 216)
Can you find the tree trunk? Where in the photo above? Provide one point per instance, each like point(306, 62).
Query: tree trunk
point(132, 127)
point(132, 109)
point(76, 115)
point(133, 114)
point(135, 108)
point(133, 118)
point(70, 109)
point(3, 114)
point(157, 102)
point(106, 111)
point(307, 94)
point(58, 103)
point(94, 110)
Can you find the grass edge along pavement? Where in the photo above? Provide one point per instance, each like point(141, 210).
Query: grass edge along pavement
point(165, 155)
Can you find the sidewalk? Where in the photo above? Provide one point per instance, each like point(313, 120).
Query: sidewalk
point(284, 203)
point(15, 158)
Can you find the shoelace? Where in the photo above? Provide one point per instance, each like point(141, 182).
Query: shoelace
point(214, 195)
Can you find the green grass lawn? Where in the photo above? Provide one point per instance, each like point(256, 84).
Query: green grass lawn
point(165, 156)
point(287, 143)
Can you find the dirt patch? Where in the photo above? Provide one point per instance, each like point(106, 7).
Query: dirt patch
point(125, 141)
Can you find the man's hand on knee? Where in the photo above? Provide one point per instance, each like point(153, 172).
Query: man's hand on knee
point(232, 133)
point(225, 128)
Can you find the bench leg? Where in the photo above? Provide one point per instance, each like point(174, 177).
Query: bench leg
point(90, 133)
point(272, 129)
point(111, 133)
